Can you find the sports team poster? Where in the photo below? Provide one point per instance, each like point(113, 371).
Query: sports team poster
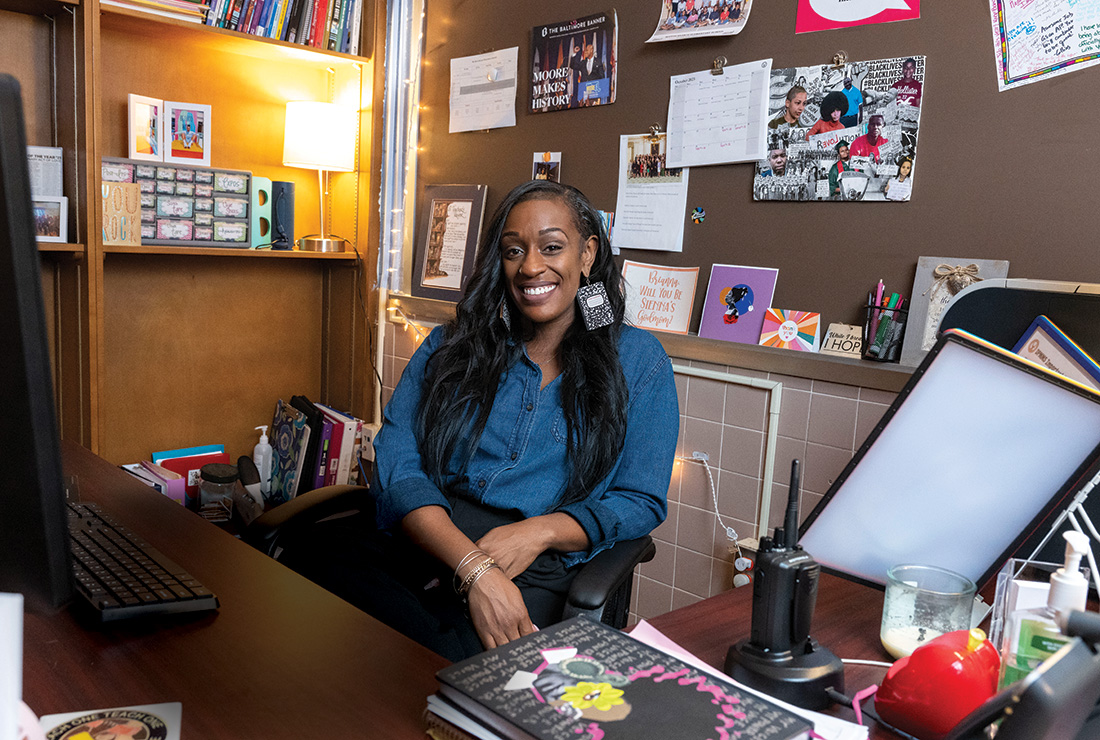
point(823, 15)
point(573, 63)
point(843, 132)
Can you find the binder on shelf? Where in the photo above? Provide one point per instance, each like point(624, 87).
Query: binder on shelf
point(289, 435)
point(188, 467)
point(159, 457)
point(350, 428)
point(315, 419)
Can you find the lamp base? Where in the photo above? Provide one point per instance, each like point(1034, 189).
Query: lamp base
point(318, 243)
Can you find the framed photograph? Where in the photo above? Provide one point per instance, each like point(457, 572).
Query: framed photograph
point(937, 281)
point(51, 218)
point(450, 226)
point(187, 138)
point(146, 128)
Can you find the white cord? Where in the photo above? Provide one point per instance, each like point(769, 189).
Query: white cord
point(702, 457)
point(859, 661)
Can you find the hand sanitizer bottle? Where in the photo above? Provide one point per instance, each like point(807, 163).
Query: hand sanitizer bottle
point(1031, 635)
point(261, 455)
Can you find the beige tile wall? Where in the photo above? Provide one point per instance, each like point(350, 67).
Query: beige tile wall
point(820, 423)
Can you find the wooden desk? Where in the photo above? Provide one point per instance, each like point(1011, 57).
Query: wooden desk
point(846, 621)
point(281, 658)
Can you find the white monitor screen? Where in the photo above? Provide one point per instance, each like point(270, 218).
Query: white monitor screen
point(965, 463)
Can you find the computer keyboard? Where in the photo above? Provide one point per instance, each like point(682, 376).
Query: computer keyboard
point(121, 576)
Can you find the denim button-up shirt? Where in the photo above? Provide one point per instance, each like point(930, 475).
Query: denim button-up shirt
point(521, 464)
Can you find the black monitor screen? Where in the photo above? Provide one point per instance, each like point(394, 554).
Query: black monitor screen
point(33, 537)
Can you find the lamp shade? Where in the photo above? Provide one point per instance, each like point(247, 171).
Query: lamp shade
point(320, 136)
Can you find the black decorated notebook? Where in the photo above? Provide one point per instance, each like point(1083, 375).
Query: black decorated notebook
point(583, 680)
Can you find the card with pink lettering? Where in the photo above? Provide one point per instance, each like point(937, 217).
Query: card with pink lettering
point(659, 297)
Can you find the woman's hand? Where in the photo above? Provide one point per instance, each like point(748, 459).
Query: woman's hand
point(497, 609)
point(515, 546)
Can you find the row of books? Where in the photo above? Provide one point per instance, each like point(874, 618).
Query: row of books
point(333, 25)
point(191, 11)
point(313, 445)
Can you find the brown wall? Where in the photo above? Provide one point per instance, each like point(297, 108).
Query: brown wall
point(999, 175)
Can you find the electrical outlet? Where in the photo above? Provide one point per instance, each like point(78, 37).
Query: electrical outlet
point(366, 451)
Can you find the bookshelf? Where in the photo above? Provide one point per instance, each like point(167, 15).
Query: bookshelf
point(159, 347)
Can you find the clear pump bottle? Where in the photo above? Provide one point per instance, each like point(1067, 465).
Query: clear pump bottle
point(1031, 635)
point(261, 455)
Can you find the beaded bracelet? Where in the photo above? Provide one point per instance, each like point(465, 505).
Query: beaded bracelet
point(474, 574)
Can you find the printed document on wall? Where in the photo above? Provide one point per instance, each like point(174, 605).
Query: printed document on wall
point(718, 118)
point(1043, 38)
point(483, 90)
point(652, 202)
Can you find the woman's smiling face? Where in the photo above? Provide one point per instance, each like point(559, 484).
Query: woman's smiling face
point(544, 257)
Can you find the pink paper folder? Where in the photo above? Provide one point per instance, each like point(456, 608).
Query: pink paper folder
point(736, 301)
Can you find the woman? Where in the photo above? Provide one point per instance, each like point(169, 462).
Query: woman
point(518, 442)
point(833, 106)
point(899, 188)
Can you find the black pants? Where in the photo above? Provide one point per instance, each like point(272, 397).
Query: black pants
point(396, 582)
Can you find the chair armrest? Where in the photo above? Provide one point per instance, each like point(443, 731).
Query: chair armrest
point(302, 511)
point(605, 572)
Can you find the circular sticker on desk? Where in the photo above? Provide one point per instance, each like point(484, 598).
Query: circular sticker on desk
point(112, 724)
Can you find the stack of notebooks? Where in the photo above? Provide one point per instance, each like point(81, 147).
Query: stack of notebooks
point(582, 680)
point(313, 445)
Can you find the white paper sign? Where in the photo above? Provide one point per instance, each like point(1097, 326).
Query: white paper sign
point(650, 208)
point(11, 662)
point(1036, 39)
point(483, 90)
point(846, 11)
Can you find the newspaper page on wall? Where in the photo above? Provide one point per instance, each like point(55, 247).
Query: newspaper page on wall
point(689, 19)
point(1042, 38)
point(574, 63)
point(843, 132)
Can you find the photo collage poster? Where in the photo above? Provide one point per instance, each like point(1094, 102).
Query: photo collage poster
point(842, 132)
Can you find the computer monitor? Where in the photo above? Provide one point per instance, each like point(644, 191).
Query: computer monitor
point(34, 554)
point(970, 465)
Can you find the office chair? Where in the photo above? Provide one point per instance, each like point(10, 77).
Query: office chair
point(601, 590)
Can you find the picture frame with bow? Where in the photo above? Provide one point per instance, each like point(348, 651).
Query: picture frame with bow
point(937, 281)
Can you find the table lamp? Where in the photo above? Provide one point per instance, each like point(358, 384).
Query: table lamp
point(320, 136)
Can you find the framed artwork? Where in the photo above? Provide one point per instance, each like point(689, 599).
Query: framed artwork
point(51, 218)
point(146, 128)
point(187, 137)
point(937, 281)
point(450, 226)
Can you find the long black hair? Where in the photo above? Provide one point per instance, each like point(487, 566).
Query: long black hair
point(461, 380)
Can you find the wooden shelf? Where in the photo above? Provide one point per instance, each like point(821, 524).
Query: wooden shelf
point(61, 247)
point(37, 7)
point(216, 39)
point(221, 252)
point(885, 376)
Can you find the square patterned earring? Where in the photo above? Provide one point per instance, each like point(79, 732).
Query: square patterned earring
point(594, 304)
point(505, 314)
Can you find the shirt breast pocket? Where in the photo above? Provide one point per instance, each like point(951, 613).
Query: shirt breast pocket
point(557, 429)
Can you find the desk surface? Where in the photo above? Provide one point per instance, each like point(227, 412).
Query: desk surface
point(846, 621)
point(281, 658)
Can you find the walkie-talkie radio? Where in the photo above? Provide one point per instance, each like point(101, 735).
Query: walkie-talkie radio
point(780, 658)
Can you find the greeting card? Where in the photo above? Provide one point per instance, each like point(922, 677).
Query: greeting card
point(737, 299)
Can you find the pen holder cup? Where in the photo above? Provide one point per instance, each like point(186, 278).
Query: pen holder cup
point(883, 329)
